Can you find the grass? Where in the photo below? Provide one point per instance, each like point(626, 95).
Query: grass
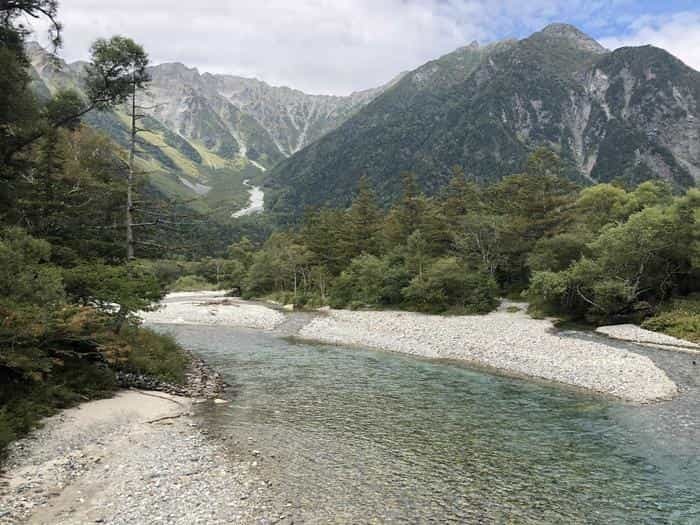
point(156, 355)
point(191, 283)
point(679, 318)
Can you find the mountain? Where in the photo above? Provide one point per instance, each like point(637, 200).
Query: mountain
point(207, 133)
point(632, 114)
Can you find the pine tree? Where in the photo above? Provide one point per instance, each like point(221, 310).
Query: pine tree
point(362, 222)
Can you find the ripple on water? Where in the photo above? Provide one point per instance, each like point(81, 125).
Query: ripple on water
point(348, 435)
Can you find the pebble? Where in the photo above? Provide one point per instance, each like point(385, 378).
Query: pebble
point(148, 468)
point(513, 342)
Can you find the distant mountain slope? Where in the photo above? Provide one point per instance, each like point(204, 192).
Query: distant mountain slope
point(209, 131)
point(632, 114)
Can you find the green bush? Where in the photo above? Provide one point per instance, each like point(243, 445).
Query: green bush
point(191, 283)
point(25, 401)
point(156, 355)
point(446, 285)
point(683, 325)
point(679, 318)
point(362, 282)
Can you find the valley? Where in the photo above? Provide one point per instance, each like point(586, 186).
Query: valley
point(468, 292)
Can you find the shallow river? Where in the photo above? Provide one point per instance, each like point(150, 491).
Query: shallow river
point(355, 436)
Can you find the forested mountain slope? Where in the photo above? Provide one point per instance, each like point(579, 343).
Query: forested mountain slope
point(632, 114)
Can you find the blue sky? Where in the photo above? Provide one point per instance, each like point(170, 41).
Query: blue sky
point(338, 46)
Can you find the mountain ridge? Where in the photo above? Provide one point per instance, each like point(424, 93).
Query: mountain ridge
point(630, 114)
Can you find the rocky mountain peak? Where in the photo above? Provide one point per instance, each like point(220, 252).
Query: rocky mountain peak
point(573, 34)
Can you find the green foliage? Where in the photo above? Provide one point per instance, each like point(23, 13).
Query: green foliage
point(156, 355)
point(678, 318)
point(117, 70)
point(191, 283)
point(362, 282)
point(447, 285)
point(25, 273)
point(630, 266)
point(556, 253)
point(123, 289)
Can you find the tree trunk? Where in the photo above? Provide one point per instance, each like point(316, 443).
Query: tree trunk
point(130, 181)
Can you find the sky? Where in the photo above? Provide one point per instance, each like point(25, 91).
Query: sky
point(341, 46)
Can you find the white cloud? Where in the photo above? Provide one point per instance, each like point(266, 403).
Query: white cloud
point(319, 46)
point(678, 34)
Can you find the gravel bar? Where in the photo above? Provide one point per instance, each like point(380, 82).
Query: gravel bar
point(213, 308)
point(137, 458)
point(635, 334)
point(512, 342)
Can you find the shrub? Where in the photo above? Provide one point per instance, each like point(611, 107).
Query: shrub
point(447, 284)
point(156, 355)
point(191, 283)
point(679, 318)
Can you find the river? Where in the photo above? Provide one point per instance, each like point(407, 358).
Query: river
point(256, 201)
point(357, 436)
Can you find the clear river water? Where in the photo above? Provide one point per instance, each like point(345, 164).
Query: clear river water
point(357, 436)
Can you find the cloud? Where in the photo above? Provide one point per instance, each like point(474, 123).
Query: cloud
point(319, 46)
point(678, 33)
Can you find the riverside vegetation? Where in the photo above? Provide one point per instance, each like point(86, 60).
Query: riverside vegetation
point(68, 287)
point(597, 254)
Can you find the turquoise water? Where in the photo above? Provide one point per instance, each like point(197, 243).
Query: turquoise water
point(354, 436)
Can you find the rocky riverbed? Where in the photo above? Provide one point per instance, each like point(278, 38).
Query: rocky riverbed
point(142, 458)
point(213, 308)
point(509, 341)
point(136, 458)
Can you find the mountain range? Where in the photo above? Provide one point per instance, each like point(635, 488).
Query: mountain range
point(630, 115)
point(208, 132)
point(627, 115)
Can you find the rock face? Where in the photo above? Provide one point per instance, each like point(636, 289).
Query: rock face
point(244, 116)
point(230, 116)
point(632, 114)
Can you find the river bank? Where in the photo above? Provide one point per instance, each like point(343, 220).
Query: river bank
point(138, 457)
point(509, 341)
point(121, 460)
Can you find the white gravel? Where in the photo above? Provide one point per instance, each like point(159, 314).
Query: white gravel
point(112, 461)
point(513, 342)
point(212, 308)
point(635, 334)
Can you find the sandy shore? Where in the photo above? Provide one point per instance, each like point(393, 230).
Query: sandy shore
point(212, 308)
point(133, 459)
point(512, 342)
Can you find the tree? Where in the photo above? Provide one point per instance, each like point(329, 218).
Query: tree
point(10, 10)
point(446, 283)
point(556, 253)
point(129, 288)
point(631, 266)
point(320, 232)
point(359, 234)
point(362, 282)
point(404, 218)
point(602, 204)
point(116, 75)
point(461, 198)
point(416, 253)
